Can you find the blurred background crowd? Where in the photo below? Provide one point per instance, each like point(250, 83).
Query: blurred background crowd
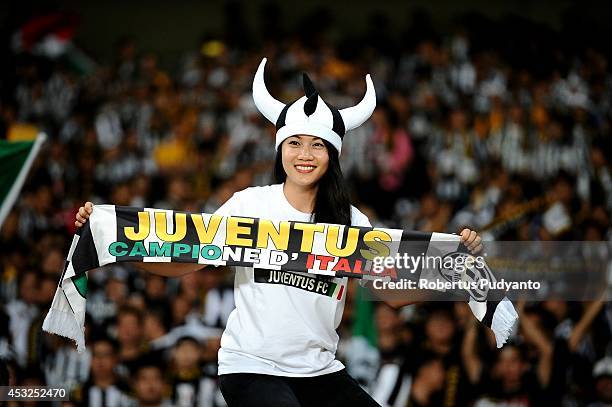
point(503, 126)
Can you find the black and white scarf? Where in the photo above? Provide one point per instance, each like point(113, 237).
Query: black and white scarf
point(126, 234)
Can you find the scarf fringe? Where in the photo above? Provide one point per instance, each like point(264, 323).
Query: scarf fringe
point(65, 324)
point(504, 320)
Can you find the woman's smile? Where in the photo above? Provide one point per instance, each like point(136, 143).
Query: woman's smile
point(305, 168)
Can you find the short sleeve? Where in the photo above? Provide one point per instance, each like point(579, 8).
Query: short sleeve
point(359, 219)
point(230, 207)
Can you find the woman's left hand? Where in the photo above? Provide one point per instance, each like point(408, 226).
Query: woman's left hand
point(472, 240)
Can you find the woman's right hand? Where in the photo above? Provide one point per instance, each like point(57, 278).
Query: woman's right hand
point(83, 214)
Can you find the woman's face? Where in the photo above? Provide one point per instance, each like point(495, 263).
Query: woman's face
point(305, 159)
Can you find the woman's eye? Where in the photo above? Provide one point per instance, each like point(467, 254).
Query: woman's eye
point(318, 145)
point(294, 143)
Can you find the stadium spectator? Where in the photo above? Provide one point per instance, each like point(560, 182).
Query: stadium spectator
point(103, 387)
point(129, 330)
point(148, 383)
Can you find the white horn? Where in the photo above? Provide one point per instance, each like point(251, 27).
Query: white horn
point(267, 105)
point(355, 116)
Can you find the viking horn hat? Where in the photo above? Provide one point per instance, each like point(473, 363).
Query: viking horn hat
point(310, 114)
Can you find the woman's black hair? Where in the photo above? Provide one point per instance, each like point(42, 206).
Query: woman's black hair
point(333, 203)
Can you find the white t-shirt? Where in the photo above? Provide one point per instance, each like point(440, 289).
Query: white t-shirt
point(279, 329)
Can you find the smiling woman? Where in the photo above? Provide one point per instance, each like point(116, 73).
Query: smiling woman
point(261, 354)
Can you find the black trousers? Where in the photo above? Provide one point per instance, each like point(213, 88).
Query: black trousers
point(259, 390)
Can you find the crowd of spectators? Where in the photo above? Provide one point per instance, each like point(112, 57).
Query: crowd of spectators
point(462, 135)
